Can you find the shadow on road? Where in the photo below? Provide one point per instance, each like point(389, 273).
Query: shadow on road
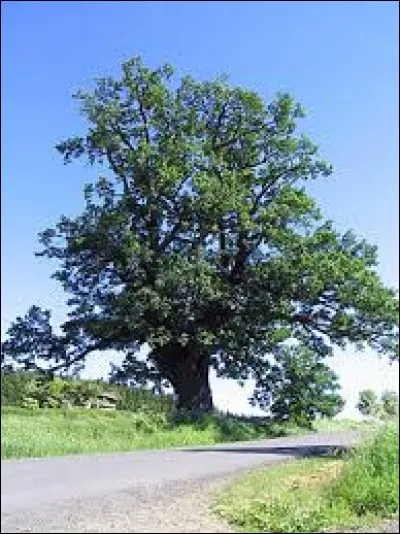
point(300, 450)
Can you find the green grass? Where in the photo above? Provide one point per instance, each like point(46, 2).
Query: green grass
point(331, 425)
point(142, 419)
point(371, 480)
point(313, 495)
point(41, 432)
point(38, 432)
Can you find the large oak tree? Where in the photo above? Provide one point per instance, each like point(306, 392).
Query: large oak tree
point(200, 240)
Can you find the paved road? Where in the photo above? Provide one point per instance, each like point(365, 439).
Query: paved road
point(117, 492)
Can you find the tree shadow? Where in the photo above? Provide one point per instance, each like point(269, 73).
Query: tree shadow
point(297, 450)
point(234, 427)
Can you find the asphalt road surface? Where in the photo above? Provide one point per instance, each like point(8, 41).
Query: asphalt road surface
point(141, 491)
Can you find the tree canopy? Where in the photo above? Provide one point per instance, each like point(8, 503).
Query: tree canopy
point(200, 240)
point(298, 387)
point(370, 405)
point(390, 403)
point(368, 402)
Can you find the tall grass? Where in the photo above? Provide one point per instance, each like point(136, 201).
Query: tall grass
point(36, 432)
point(313, 495)
point(142, 419)
point(371, 480)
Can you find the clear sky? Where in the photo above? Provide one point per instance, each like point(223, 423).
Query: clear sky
point(339, 59)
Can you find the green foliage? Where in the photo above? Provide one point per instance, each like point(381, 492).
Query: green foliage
point(390, 403)
point(332, 425)
point(200, 240)
point(368, 403)
point(287, 498)
point(15, 386)
point(30, 402)
point(385, 407)
point(139, 399)
point(317, 495)
point(298, 387)
point(49, 432)
point(371, 481)
point(26, 388)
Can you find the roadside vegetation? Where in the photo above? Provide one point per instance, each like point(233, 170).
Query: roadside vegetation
point(331, 425)
point(373, 407)
point(349, 490)
point(43, 417)
point(35, 432)
point(46, 417)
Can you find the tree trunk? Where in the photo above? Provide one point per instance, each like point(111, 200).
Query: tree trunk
point(187, 369)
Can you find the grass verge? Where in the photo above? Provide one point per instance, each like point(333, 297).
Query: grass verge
point(319, 494)
point(37, 432)
point(331, 425)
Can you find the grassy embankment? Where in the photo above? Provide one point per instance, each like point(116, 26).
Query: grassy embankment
point(34, 424)
point(319, 494)
point(54, 431)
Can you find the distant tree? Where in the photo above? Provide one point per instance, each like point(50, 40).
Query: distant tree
point(299, 387)
point(368, 403)
point(199, 240)
point(390, 403)
point(4, 365)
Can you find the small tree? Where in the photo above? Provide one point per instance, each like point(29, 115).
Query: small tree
point(368, 403)
point(299, 387)
point(390, 403)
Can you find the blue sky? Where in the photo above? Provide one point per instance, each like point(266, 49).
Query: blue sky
point(339, 59)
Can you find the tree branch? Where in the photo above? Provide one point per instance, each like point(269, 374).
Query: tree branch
point(217, 127)
point(117, 171)
point(267, 187)
point(243, 253)
point(143, 114)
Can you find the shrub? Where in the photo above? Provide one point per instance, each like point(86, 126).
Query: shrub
point(16, 385)
point(390, 403)
point(23, 388)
